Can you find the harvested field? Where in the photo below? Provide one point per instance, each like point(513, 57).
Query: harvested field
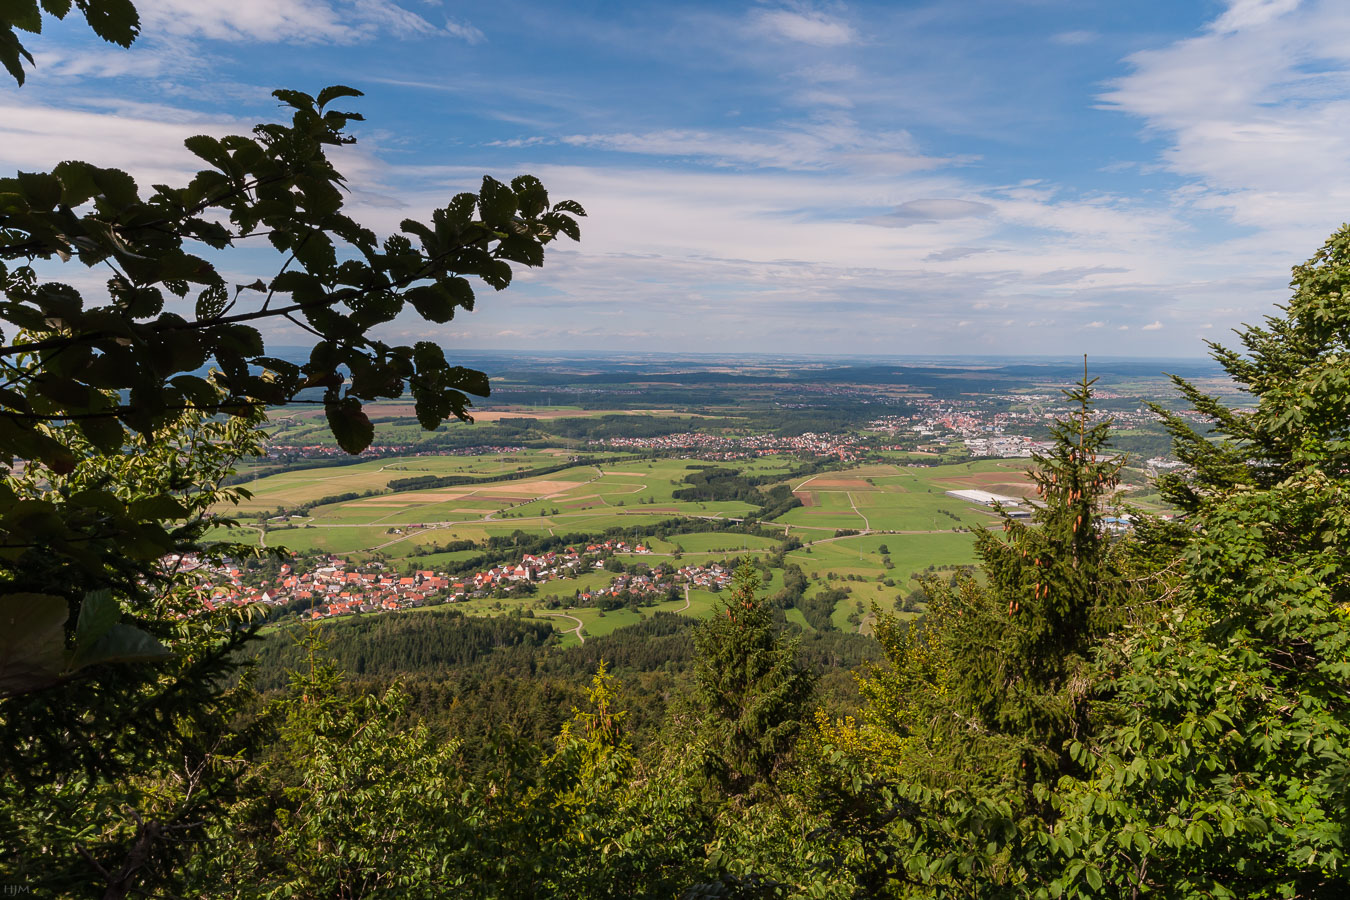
point(980, 479)
point(807, 498)
point(527, 488)
point(419, 497)
point(840, 484)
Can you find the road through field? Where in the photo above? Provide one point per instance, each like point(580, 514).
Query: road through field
point(867, 526)
point(576, 630)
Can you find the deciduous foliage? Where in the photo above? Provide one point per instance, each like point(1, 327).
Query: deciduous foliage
point(116, 21)
point(1230, 773)
point(109, 380)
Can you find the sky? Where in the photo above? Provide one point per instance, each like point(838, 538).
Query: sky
point(956, 177)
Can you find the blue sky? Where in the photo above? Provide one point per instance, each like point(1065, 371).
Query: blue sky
point(1034, 177)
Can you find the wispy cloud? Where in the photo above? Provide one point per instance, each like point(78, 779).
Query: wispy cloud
point(1254, 114)
point(803, 26)
point(831, 141)
point(292, 21)
point(1244, 14)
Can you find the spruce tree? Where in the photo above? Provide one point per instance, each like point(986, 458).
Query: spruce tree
point(750, 688)
point(1053, 584)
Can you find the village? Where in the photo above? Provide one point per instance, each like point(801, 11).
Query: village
point(329, 586)
point(728, 447)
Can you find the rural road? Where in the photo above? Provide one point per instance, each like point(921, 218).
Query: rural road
point(577, 630)
point(867, 526)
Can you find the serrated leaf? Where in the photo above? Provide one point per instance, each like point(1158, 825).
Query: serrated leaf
point(23, 14)
point(12, 54)
point(120, 644)
point(433, 302)
point(116, 21)
point(351, 427)
point(294, 99)
point(41, 190)
point(211, 301)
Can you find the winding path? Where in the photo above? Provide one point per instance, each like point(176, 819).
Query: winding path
point(576, 631)
point(867, 526)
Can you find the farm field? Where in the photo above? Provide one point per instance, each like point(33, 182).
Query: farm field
point(580, 499)
point(303, 487)
point(925, 530)
point(902, 498)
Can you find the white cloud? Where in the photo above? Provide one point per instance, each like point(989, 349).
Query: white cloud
point(292, 21)
point(144, 140)
point(829, 141)
point(1153, 326)
point(805, 27)
point(1254, 114)
point(1243, 14)
point(1095, 325)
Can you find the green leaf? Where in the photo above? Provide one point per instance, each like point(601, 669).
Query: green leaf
point(104, 432)
point(12, 53)
point(98, 612)
point(77, 182)
point(294, 99)
point(352, 428)
point(42, 191)
point(334, 91)
point(32, 641)
point(569, 206)
point(496, 202)
point(208, 148)
point(114, 184)
point(22, 14)
point(433, 302)
point(160, 507)
point(211, 302)
point(120, 644)
point(116, 21)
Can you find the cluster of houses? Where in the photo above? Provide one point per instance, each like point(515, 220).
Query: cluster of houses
point(330, 589)
point(336, 587)
point(653, 585)
point(711, 577)
point(717, 446)
point(659, 583)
